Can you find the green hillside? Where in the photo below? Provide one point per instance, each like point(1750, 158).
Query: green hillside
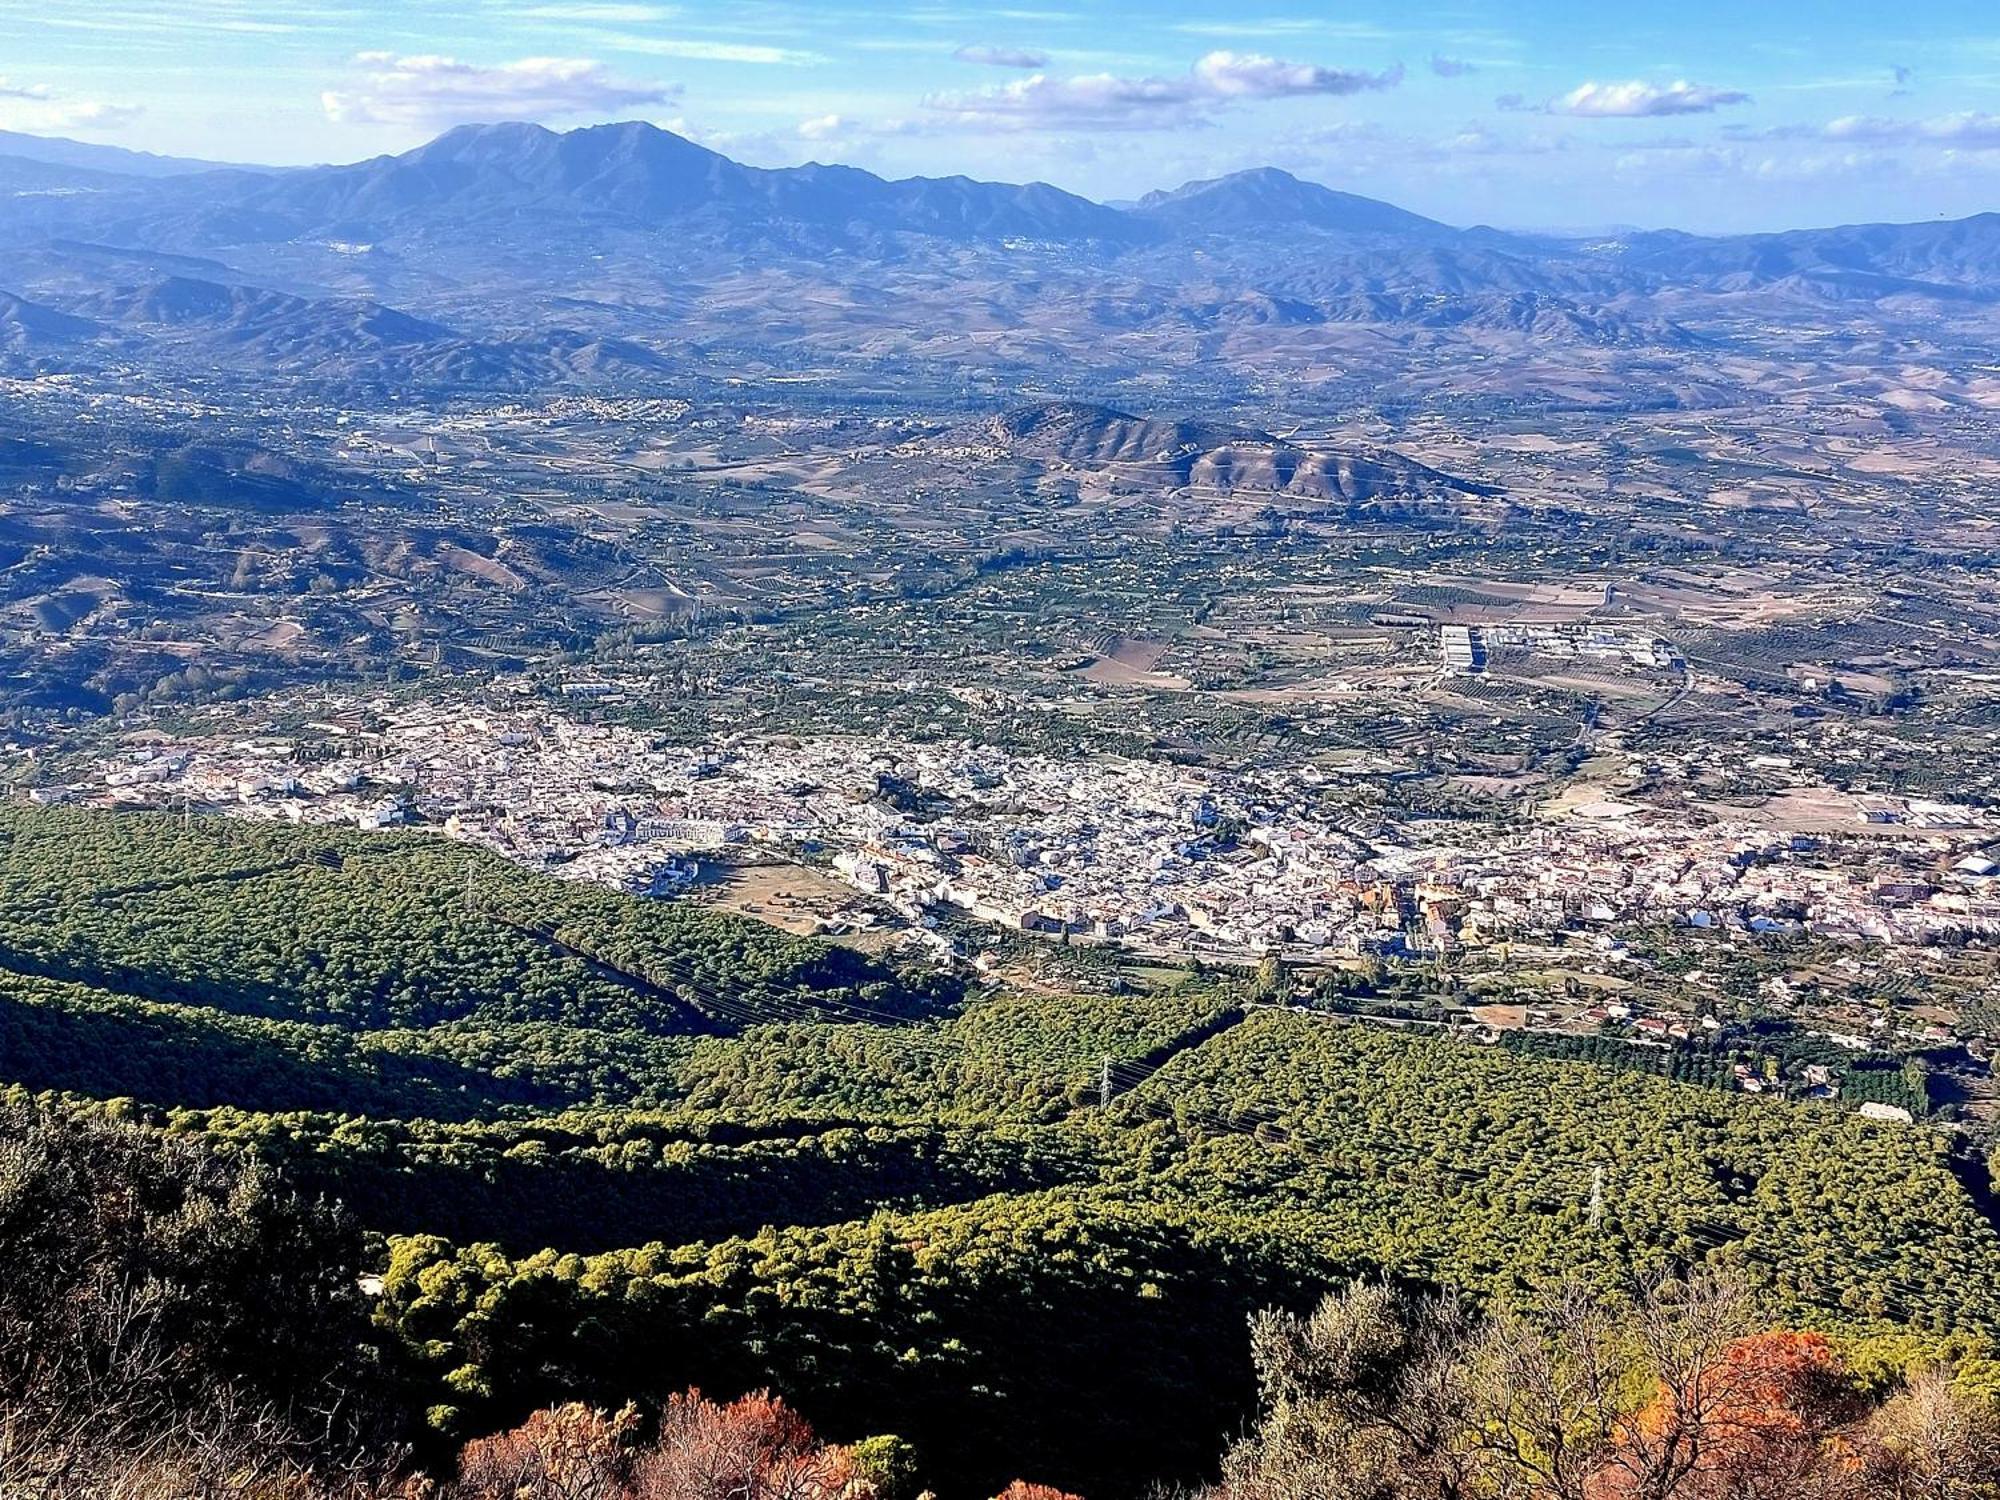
point(610, 1148)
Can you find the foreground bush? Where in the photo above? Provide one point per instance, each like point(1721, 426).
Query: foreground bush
point(170, 1306)
point(1669, 1395)
point(756, 1448)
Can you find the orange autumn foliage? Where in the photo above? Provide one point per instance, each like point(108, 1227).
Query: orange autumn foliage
point(1756, 1421)
point(1020, 1489)
point(755, 1448)
point(563, 1453)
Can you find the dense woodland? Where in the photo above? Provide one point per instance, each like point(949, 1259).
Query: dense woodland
point(490, 1156)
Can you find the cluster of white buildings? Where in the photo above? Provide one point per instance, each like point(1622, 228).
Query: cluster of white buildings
point(1468, 648)
point(1161, 856)
point(1618, 865)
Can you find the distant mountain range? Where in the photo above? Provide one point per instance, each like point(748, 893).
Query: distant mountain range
point(483, 178)
point(638, 175)
point(55, 151)
point(510, 252)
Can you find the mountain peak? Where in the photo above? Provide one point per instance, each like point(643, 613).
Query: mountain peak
point(1272, 198)
point(498, 133)
point(1248, 177)
point(522, 139)
point(640, 176)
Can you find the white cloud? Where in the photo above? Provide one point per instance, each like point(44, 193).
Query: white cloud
point(34, 108)
point(1365, 145)
point(1108, 101)
point(1001, 57)
point(431, 91)
point(1971, 129)
point(1290, 26)
point(1097, 100)
point(607, 11)
point(1253, 75)
point(1968, 130)
point(1707, 163)
point(830, 136)
point(178, 20)
point(1636, 100)
point(1280, 26)
point(700, 51)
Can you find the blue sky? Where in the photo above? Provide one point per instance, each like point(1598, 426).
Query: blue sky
point(1703, 114)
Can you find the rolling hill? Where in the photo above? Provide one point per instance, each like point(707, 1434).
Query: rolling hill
point(1205, 457)
point(28, 325)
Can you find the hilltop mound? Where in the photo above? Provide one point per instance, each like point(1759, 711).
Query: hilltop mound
point(1208, 456)
point(30, 325)
point(1268, 200)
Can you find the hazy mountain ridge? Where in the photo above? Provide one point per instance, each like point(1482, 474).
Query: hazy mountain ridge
point(251, 316)
point(342, 337)
point(57, 152)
